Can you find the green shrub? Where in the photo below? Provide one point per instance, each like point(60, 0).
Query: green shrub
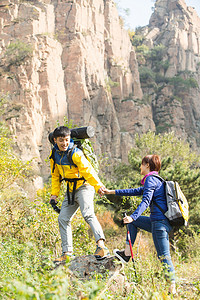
point(157, 53)
point(146, 75)
point(143, 49)
point(12, 168)
point(110, 84)
point(180, 84)
point(16, 53)
point(137, 40)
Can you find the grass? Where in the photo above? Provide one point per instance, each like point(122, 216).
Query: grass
point(150, 283)
point(28, 248)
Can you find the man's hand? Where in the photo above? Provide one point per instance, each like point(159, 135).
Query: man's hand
point(53, 197)
point(53, 203)
point(101, 191)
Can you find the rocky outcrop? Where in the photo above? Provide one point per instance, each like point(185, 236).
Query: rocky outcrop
point(177, 27)
point(85, 267)
point(32, 76)
point(100, 67)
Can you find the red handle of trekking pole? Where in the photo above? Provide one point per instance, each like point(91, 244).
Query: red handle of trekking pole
point(129, 240)
point(131, 249)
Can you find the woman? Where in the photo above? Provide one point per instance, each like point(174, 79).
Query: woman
point(152, 191)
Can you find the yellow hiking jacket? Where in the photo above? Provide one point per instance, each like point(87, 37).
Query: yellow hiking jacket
point(62, 168)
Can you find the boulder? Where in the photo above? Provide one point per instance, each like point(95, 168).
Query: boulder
point(85, 267)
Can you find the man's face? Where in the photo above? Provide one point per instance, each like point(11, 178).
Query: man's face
point(62, 142)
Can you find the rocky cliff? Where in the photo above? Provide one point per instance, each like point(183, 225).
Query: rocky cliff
point(176, 105)
point(73, 59)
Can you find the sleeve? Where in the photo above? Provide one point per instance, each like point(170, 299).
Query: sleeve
point(149, 188)
point(130, 192)
point(55, 179)
point(86, 170)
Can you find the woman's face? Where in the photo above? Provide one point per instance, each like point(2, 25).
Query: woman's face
point(144, 169)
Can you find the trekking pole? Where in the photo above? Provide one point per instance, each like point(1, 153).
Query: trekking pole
point(131, 249)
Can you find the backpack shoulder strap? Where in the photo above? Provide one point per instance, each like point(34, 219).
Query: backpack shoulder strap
point(52, 156)
point(159, 177)
point(156, 204)
point(69, 154)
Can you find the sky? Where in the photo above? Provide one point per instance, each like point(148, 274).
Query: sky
point(141, 10)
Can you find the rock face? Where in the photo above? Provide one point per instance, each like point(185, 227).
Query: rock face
point(81, 66)
point(73, 59)
point(177, 27)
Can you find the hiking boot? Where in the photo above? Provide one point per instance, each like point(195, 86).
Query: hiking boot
point(101, 253)
point(121, 255)
point(64, 257)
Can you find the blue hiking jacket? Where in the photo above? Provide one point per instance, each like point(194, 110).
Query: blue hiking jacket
point(153, 189)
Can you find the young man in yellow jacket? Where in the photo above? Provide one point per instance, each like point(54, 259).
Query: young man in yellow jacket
point(82, 182)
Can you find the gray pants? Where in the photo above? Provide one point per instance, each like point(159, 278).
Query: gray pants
point(84, 197)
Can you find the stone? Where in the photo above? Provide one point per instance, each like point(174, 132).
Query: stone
point(85, 267)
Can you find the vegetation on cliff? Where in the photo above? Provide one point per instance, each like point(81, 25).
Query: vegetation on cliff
point(153, 64)
point(16, 53)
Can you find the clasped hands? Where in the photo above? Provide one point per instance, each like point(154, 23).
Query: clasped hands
point(104, 191)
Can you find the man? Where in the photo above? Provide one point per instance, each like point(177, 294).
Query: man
point(82, 181)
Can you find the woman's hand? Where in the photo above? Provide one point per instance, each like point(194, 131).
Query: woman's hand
point(103, 190)
point(108, 192)
point(127, 220)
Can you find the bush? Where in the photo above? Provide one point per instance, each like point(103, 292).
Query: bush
point(157, 53)
point(181, 85)
point(146, 75)
point(16, 53)
point(137, 39)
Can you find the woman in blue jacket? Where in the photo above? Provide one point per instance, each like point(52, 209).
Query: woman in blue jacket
point(152, 191)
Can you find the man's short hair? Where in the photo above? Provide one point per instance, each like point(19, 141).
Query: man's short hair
point(61, 131)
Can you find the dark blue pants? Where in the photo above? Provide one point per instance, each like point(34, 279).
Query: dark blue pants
point(160, 232)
